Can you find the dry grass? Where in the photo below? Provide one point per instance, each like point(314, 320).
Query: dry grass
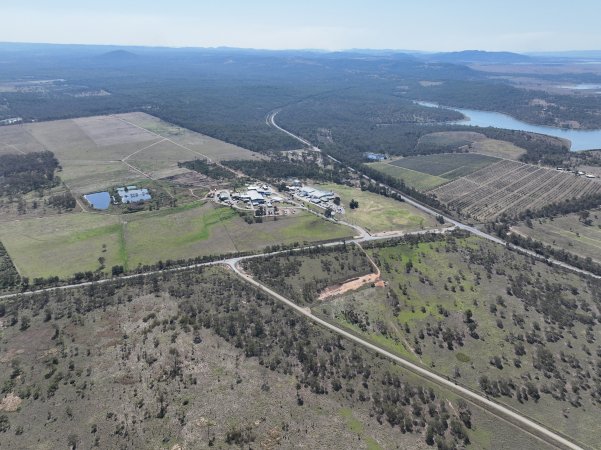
point(91, 149)
point(498, 149)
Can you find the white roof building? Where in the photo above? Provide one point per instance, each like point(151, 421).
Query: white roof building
point(133, 195)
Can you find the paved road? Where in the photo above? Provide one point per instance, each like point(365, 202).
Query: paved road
point(364, 237)
point(270, 120)
point(531, 427)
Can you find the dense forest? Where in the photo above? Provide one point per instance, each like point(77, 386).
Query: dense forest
point(346, 127)
point(280, 167)
point(25, 173)
point(211, 170)
point(9, 276)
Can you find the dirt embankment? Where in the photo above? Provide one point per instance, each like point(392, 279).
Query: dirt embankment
point(350, 285)
point(354, 283)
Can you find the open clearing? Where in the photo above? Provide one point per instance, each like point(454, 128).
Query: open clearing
point(472, 142)
point(379, 214)
point(511, 187)
point(64, 244)
point(450, 139)
point(568, 233)
point(497, 149)
point(91, 150)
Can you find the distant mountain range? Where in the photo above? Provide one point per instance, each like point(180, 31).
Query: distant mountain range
point(477, 56)
point(127, 53)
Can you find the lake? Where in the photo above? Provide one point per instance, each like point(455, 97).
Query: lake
point(581, 86)
point(98, 200)
point(580, 139)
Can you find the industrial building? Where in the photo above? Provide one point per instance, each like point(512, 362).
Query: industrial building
point(316, 195)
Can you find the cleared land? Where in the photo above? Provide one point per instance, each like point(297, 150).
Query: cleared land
point(450, 139)
point(64, 244)
point(497, 149)
point(472, 142)
point(569, 233)
point(91, 150)
point(511, 187)
point(380, 214)
point(521, 332)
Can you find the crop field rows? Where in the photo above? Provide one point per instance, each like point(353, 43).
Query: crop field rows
point(511, 187)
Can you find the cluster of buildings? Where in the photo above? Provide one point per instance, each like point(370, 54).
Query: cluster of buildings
point(254, 195)
point(316, 196)
point(323, 199)
point(578, 173)
point(131, 194)
point(11, 121)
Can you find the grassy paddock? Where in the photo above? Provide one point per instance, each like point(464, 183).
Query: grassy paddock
point(446, 165)
point(68, 243)
point(377, 213)
point(417, 180)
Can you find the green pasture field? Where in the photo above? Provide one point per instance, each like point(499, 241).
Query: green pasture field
point(63, 244)
point(417, 180)
point(446, 165)
point(377, 213)
point(68, 243)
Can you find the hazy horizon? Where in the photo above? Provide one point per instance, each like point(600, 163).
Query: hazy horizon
point(433, 26)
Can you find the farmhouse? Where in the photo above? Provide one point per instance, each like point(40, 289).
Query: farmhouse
point(131, 194)
point(374, 156)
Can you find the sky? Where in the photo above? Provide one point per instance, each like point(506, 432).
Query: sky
point(428, 25)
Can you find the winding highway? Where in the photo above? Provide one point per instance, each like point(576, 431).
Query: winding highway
point(270, 120)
